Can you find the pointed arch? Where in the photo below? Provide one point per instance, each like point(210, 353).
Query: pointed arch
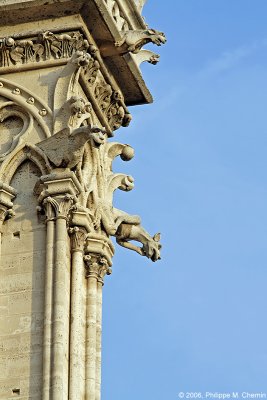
point(23, 153)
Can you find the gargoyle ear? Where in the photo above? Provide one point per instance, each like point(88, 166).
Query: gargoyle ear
point(156, 237)
point(151, 31)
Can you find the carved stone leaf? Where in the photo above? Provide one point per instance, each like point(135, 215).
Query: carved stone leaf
point(45, 46)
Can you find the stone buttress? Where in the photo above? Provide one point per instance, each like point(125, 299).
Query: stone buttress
point(69, 70)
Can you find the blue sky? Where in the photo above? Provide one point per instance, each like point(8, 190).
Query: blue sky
point(196, 320)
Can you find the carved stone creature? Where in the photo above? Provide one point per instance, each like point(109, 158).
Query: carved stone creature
point(151, 246)
point(62, 45)
point(126, 227)
point(27, 51)
point(65, 149)
point(7, 50)
point(133, 41)
point(146, 55)
point(73, 113)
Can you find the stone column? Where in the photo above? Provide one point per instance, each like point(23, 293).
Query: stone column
point(48, 298)
point(59, 193)
point(103, 270)
point(76, 376)
point(96, 268)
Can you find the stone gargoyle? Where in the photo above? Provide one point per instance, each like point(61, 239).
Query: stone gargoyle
point(126, 228)
point(127, 232)
point(134, 40)
point(65, 148)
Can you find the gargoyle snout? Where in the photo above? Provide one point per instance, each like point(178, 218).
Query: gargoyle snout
point(162, 38)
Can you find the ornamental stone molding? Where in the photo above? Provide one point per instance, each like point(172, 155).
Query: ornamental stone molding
point(69, 71)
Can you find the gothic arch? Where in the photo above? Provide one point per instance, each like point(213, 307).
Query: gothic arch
point(28, 101)
point(23, 153)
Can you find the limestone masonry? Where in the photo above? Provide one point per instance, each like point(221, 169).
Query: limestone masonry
point(69, 69)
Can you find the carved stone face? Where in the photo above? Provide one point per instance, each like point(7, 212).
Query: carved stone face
point(78, 107)
point(98, 136)
point(152, 250)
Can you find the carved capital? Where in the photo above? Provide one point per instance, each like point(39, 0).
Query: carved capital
point(101, 245)
point(97, 266)
point(59, 206)
point(7, 194)
point(57, 194)
point(5, 213)
point(78, 237)
point(59, 183)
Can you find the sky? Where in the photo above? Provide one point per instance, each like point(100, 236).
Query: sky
point(196, 320)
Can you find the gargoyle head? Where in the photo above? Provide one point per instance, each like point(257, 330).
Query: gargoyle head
point(98, 135)
point(156, 37)
point(151, 248)
point(81, 58)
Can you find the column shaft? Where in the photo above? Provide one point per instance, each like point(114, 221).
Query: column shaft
point(76, 376)
point(50, 226)
point(91, 337)
point(60, 331)
point(98, 340)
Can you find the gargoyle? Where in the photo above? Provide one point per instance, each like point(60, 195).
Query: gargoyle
point(126, 228)
point(151, 246)
point(132, 42)
point(146, 55)
point(65, 149)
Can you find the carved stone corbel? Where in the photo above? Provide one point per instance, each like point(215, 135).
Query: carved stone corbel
point(7, 194)
point(66, 90)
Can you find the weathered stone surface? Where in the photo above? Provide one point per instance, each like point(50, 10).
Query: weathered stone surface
point(68, 71)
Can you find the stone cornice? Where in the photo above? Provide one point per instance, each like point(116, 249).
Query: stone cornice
point(116, 18)
point(51, 48)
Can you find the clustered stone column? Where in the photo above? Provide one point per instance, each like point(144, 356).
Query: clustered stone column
point(97, 267)
point(58, 197)
point(72, 340)
point(78, 237)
